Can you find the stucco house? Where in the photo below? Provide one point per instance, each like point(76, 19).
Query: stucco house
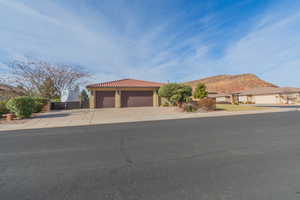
point(262, 95)
point(124, 93)
point(270, 95)
point(221, 97)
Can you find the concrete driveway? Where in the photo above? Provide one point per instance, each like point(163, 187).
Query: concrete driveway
point(113, 115)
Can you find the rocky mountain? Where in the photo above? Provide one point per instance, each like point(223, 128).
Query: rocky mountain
point(231, 83)
point(7, 91)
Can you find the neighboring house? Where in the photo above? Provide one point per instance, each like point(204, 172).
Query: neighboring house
point(221, 97)
point(124, 93)
point(270, 95)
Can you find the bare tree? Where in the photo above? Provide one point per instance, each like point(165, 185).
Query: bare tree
point(46, 79)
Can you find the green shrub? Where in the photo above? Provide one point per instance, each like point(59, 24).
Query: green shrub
point(39, 103)
point(200, 91)
point(176, 93)
point(57, 99)
point(165, 104)
point(22, 107)
point(3, 108)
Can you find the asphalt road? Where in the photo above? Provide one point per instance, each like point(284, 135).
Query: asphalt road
point(239, 157)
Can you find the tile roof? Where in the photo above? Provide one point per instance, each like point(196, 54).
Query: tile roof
point(270, 90)
point(126, 83)
point(219, 95)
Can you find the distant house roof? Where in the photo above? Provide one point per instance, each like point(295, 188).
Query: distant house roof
point(126, 83)
point(270, 90)
point(8, 88)
point(211, 91)
point(219, 95)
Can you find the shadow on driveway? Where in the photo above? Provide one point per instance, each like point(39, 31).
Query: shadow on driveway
point(47, 116)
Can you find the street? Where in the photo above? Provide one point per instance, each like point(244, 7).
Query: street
point(235, 157)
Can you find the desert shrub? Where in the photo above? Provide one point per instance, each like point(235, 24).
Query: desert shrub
point(200, 91)
point(207, 104)
point(176, 93)
point(39, 103)
point(3, 108)
point(165, 104)
point(189, 107)
point(22, 107)
point(57, 99)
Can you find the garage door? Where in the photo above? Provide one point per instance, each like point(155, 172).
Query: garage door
point(265, 99)
point(137, 98)
point(105, 99)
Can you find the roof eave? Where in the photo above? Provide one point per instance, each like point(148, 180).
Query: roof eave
point(95, 87)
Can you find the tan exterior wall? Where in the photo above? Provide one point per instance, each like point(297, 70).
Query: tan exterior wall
point(243, 99)
point(118, 99)
point(156, 98)
point(266, 99)
point(223, 99)
point(92, 99)
point(293, 98)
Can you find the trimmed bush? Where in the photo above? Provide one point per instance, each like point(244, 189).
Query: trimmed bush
point(39, 104)
point(22, 107)
point(3, 108)
point(176, 93)
point(208, 104)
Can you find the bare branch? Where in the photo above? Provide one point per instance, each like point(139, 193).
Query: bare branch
point(46, 79)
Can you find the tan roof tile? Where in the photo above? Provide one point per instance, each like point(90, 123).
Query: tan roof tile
point(126, 83)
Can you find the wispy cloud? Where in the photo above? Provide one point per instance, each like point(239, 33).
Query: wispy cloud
point(271, 51)
point(174, 42)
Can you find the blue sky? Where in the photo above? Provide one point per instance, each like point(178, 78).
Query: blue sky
point(157, 40)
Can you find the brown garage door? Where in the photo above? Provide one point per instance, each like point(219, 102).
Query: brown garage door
point(137, 98)
point(105, 99)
